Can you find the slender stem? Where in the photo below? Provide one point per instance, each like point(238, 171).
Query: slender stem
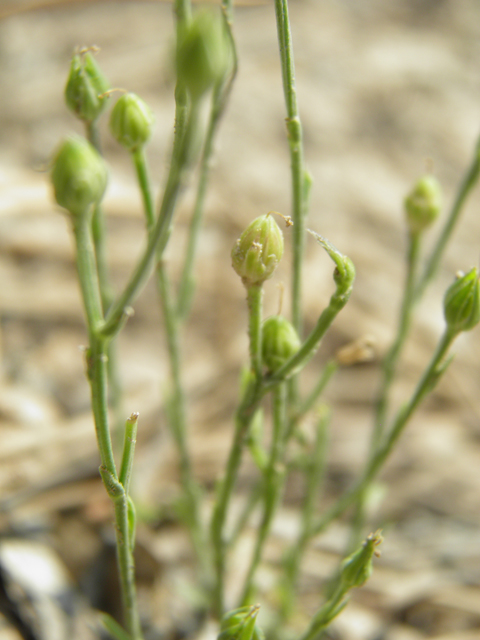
point(309, 402)
point(129, 443)
point(178, 420)
point(326, 614)
point(97, 376)
point(426, 384)
point(312, 342)
point(314, 476)
point(254, 301)
point(391, 359)
point(469, 181)
point(187, 284)
point(157, 239)
point(144, 183)
point(253, 498)
point(243, 418)
point(295, 139)
point(273, 484)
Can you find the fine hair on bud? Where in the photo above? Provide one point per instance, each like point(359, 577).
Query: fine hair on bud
point(423, 204)
point(79, 175)
point(131, 122)
point(462, 302)
point(280, 342)
point(86, 87)
point(258, 251)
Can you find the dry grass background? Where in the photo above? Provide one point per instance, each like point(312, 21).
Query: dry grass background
point(383, 87)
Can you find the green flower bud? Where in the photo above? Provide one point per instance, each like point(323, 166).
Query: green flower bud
point(258, 251)
point(204, 53)
point(85, 86)
point(79, 175)
point(462, 302)
point(358, 567)
point(423, 204)
point(280, 341)
point(131, 122)
point(240, 624)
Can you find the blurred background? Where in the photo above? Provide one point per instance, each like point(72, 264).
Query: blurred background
point(386, 91)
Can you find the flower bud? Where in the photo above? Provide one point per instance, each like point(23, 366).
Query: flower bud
point(131, 122)
point(240, 624)
point(462, 302)
point(258, 251)
point(204, 53)
point(423, 204)
point(79, 175)
point(358, 567)
point(280, 341)
point(85, 86)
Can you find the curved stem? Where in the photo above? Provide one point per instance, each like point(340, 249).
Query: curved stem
point(426, 384)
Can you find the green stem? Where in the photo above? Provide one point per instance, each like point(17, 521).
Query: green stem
point(426, 384)
point(157, 239)
point(187, 284)
point(141, 168)
point(254, 301)
point(178, 421)
point(97, 376)
point(326, 614)
point(309, 402)
point(129, 443)
point(314, 476)
point(243, 418)
point(273, 484)
point(391, 359)
point(311, 344)
point(469, 180)
point(295, 139)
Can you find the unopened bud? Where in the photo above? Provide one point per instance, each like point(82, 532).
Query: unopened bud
point(462, 302)
point(240, 624)
point(258, 251)
point(85, 88)
point(423, 204)
point(204, 53)
point(79, 175)
point(131, 122)
point(280, 342)
point(358, 567)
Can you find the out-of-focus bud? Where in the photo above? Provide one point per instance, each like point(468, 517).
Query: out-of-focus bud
point(240, 624)
point(85, 88)
point(462, 302)
point(423, 204)
point(79, 175)
point(358, 567)
point(280, 341)
point(131, 122)
point(204, 53)
point(258, 251)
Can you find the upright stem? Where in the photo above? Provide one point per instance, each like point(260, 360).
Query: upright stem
point(295, 139)
point(391, 359)
point(243, 418)
point(97, 376)
point(314, 475)
point(273, 484)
